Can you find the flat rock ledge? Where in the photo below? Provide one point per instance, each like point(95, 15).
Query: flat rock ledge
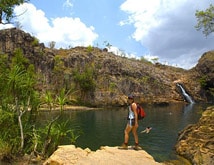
point(69, 154)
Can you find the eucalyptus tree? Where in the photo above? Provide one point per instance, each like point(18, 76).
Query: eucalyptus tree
point(205, 20)
point(7, 9)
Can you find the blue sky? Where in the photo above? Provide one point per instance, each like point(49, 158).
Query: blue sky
point(162, 29)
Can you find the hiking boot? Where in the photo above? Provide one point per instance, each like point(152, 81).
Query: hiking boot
point(123, 146)
point(137, 147)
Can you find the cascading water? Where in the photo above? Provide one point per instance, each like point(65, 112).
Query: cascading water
point(185, 94)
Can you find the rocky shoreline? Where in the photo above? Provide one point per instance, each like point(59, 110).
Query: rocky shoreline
point(196, 141)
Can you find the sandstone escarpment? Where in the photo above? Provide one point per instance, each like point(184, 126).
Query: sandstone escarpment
point(196, 142)
point(205, 70)
point(42, 58)
point(114, 76)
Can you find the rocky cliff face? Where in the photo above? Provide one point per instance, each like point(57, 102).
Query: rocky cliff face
point(196, 142)
point(205, 74)
point(114, 76)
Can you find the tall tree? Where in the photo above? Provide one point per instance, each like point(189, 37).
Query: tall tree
point(7, 9)
point(205, 20)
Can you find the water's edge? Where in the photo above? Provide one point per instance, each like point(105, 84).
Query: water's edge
point(105, 127)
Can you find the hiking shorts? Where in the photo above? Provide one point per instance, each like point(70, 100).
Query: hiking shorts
point(131, 122)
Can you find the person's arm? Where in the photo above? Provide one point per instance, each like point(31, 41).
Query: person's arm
point(134, 108)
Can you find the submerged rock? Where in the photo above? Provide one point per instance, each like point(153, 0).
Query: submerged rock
point(69, 154)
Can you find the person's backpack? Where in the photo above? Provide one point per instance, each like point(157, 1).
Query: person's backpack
point(140, 111)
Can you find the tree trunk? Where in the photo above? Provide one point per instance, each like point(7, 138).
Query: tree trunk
point(21, 130)
point(20, 113)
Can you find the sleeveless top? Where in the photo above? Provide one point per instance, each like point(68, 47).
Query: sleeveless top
point(131, 113)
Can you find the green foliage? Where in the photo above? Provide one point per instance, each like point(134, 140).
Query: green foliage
point(145, 79)
point(205, 20)
point(60, 132)
point(9, 131)
point(3, 73)
point(48, 98)
point(19, 59)
point(112, 86)
point(35, 42)
point(89, 49)
point(58, 64)
point(5, 148)
point(19, 102)
point(17, 96)
point(6, 9)
point(211, 91)
point(145, 60)
point(56, 132)
point(84, 78)
point(74, 135)
point(61, 99)
point(203, 81)
point(155, 60)
point(58, 73)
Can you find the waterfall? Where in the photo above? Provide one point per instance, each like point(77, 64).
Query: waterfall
point(185, 94)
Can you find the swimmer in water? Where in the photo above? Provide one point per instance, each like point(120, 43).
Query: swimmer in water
point(147, 130)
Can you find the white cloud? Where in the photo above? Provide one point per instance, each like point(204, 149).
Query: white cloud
point(67, 4)
point(166, 29)
point(31, 19)
point(151, 58)
point(6, 26)
point(121, 53)
point(65, 31)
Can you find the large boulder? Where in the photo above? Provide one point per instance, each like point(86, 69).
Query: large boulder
point(69, 154)
point(196, 142)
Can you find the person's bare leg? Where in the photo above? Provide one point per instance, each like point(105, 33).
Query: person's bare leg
point(126, 132)
point(134, 131)
point(126, 137)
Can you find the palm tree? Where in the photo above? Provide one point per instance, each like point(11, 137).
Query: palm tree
point(49, 99)
point(61, 99)
point(20, 90)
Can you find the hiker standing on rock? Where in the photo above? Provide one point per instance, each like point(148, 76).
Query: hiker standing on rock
point(132, 124)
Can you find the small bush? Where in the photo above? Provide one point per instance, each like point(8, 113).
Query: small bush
point(35, 42)
point(4, 149)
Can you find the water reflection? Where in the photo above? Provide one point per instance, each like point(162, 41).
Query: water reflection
point(105, 127)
